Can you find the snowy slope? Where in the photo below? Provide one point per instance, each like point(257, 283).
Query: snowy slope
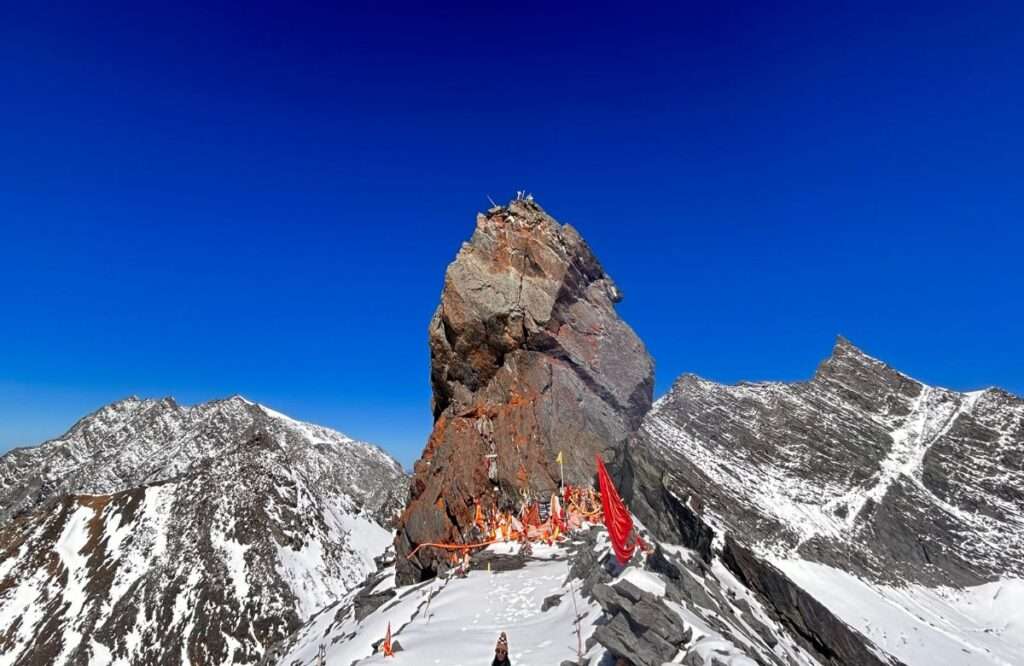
point(462, 622)
point(212, 565)
point(455, 621)
point(976, 626)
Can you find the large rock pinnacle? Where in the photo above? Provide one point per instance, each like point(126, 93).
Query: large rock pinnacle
point(528, 358)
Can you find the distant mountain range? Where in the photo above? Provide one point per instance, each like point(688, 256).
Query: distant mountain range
point(152, 533)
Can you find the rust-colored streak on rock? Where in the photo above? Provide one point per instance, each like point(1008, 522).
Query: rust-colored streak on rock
point(528, 358)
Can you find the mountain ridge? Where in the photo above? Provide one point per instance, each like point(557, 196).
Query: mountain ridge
point(137, 440)
point(207, 533)
point(858, 433)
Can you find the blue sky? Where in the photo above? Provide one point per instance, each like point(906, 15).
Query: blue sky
point(262, 200)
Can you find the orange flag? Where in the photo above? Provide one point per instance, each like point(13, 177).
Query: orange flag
point(386, 648)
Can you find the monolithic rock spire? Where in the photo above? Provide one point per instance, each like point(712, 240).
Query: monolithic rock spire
point(528, 358)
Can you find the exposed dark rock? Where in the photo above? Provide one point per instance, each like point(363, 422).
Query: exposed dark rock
point(528, 358)
point(585, 565)
point(808, 620)
point(640, 626)
point(648, 492)
point(497, 561)
point(550, 602)
point(366, 601)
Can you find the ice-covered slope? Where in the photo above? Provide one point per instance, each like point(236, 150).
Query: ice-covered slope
point(241, 524)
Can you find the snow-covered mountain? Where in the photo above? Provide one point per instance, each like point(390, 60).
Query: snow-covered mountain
point(133, 441)
point(898, 505)
point(153, 533)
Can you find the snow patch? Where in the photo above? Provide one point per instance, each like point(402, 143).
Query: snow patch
point(924, 626)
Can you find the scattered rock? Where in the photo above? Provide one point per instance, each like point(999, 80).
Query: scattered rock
point(550, 602)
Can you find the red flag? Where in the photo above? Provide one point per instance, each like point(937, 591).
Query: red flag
point(388, 652)
point(616, 515)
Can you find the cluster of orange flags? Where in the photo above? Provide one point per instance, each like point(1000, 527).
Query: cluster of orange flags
point(569, 511)
point(566, 513)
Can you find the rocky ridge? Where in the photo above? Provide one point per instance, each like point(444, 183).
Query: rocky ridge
point(861, 468)
point(137, 441)
point(243, 523)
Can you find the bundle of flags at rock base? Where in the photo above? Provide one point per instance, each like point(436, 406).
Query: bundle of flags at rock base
point(543, 521)
point(549, 521)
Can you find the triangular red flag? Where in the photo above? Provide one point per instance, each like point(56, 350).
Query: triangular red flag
point(386, 649)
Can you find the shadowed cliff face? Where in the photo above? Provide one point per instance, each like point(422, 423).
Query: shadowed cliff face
point(528, 358)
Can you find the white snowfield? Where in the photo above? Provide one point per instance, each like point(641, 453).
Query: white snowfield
point(456, 621)
point(921, 626)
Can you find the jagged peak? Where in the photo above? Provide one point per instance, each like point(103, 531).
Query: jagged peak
point(847, 356)
point(234, 400)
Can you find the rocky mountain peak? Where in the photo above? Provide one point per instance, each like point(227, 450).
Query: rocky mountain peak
point(164, 534)
point(523, 281)
point(862, 468)
point(850, 374)
point(135, 441)
point(528, 358)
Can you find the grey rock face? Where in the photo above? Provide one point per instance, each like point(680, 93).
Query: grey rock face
point(861, 467)
point(264, 521)
point(528, 358)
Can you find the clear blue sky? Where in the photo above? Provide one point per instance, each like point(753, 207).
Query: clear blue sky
point(263, 200)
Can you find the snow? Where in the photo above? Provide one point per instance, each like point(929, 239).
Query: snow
point(69, 546)
point(645, 580)
point(367, 538)
point(234, 559)
point(456, 621)
point(982, 625)
point(724, 651)
point(464, 622)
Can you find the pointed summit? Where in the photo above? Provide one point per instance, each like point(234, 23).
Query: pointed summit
point(847, 355)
